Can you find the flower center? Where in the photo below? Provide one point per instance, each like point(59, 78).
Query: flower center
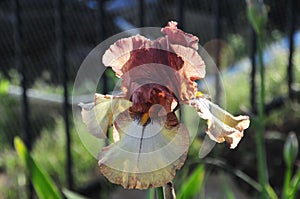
point(150, 102)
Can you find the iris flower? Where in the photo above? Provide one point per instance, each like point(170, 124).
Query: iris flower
point(157, 77)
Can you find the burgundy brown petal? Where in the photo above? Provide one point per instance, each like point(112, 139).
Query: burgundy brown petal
point(177, 50)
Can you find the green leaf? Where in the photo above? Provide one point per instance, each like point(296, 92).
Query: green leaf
point(4, 84)
point(193, 184)
point(43, 185)
point(295, 185)
point(271, 192)
point(72, 195)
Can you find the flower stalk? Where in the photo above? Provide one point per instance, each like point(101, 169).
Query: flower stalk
point(257, 16)
point(290, 153)
point(261, 156)
point(160, 193)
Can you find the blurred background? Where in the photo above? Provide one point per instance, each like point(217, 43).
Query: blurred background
point(43, 43)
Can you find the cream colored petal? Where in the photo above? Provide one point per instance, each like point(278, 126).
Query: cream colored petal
point(222, 126)
point(98, 116)
point(150, 161)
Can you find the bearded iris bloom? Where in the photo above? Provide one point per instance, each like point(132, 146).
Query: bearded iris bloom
point(157, 78)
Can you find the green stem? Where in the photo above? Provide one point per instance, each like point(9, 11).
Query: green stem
point(160, 193)
point(295, 184)
point(261, 157)
point(287, 180)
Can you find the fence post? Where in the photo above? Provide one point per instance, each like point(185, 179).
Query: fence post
point(292, 19)
point(23, 76)
point(218, 30)
point(62, 64)
point(100, 32)
point(253, 72)
point(141, 13)
point(180, 13)
point(100, 16)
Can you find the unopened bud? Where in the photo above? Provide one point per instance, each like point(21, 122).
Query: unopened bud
point(290, 151)
point(257, 14)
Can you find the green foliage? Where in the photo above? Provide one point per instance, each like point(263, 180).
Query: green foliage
point(294, 185)
point(193, 185)
point(290, 150)
point(9, 125)
point(238, 45)
point(271, 193)
point(151, 193)
point(11, 122)
point(160, 193)
point(4, 84)
point(44, 186)
point(48, 153)
point(228, 192)
point(236, 89)
point(72, 195)
point(257, 15)
point(14, 186)
point(290, 153)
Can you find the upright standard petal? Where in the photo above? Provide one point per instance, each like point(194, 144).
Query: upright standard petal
point(120, 52)
point(177, 36)
point(222, 126)
point(177, 50)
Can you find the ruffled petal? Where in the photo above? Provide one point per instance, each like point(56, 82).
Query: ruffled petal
point(194, 66)
point(145, 156)
point(177, 50)
point(98, 116)
point(154, 75)
point(177, 36)
point(120, 52)
point(222, 126)
point(193, 69)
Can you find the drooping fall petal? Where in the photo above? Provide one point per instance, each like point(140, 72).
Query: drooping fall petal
point(145, 156)
point(222, 126)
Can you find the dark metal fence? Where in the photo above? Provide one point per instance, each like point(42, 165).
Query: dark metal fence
point(103, 17)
